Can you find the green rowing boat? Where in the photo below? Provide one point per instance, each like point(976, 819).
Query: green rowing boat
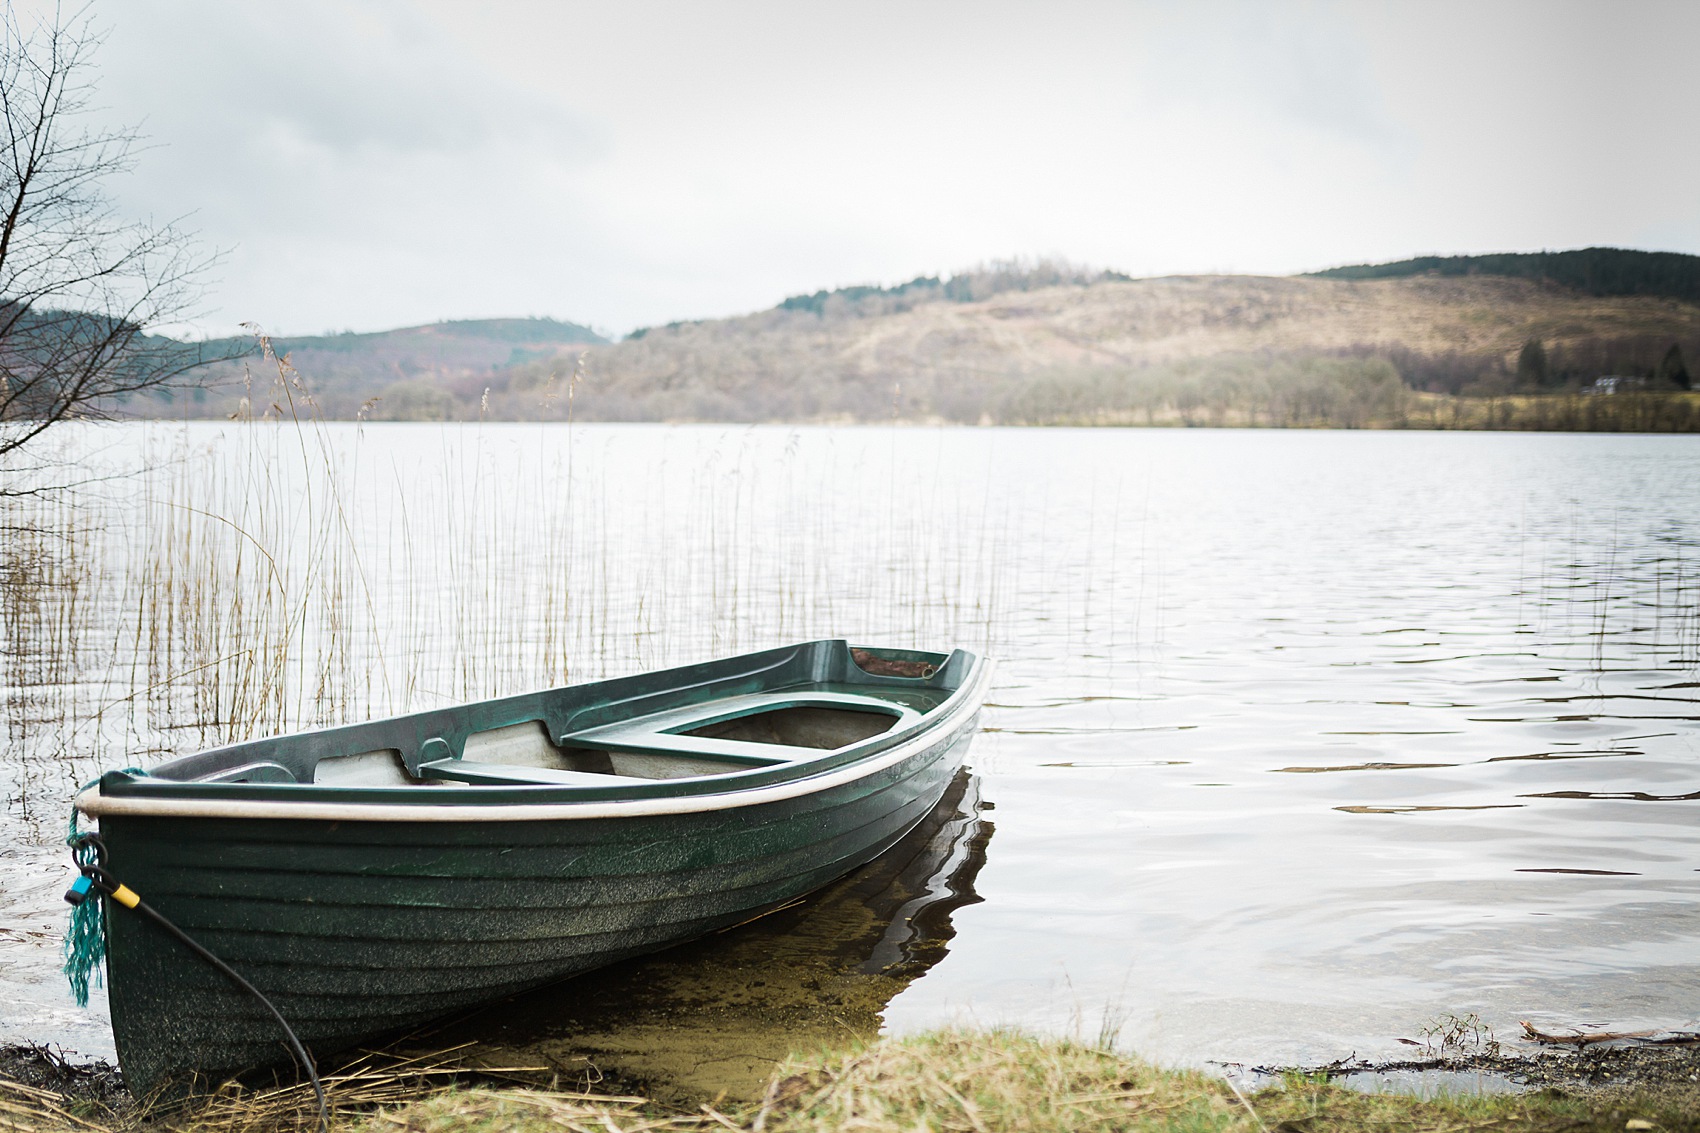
point(368, 878)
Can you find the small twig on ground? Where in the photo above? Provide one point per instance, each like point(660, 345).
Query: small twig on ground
point(1580, 1038)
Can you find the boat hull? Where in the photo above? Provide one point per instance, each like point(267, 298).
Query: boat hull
point(355, 929)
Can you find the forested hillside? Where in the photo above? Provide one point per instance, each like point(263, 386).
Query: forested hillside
point(1592, 271)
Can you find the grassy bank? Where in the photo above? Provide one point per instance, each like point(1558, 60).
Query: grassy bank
point(953, 1080)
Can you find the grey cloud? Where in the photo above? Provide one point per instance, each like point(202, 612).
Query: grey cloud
point(372, 78)
point(1303, 62)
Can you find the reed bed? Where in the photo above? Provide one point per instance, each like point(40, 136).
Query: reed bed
point(279, 573)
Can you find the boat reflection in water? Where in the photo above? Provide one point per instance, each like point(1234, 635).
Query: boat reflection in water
point(716, 1015)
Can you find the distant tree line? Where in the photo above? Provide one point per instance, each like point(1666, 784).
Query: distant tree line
point(970, 285)
point(1658, 360)
point(1268, 390)
point(1365, 387)
point(1592, 271)
point(1661, 362)
point(1321, 391)
point(1279, 391)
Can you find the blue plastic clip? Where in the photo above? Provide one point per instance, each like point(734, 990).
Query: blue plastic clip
point(79, 891)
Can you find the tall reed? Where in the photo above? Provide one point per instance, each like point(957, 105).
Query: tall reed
point(278, 573)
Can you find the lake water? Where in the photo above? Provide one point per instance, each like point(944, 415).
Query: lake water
point(1298, 740)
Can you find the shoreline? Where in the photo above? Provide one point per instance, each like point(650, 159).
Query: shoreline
point(1602, 1070)
point(1661, 412)
point(993, 1079)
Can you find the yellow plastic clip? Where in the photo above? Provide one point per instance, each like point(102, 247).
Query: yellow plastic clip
point(126, 896)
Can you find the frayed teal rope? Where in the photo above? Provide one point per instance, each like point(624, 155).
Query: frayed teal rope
point(85, 947)
point(85, 936)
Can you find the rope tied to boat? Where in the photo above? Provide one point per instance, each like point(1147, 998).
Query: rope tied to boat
point(85, 937)
point(84, 952)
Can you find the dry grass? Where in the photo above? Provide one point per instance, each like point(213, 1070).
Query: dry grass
point(30, 1109)
point(972, 1082)
point(365, 1091)
point(983, 1081)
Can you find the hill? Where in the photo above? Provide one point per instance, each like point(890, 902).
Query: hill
point(1048, 343)
point(424, 371)
point(1204, 348)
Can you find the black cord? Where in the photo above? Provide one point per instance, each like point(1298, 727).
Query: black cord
point(111, 885)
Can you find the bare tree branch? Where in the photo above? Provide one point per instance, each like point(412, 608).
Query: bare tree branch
point(80, 286)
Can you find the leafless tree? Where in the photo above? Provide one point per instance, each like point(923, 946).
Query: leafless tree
point(80, 285)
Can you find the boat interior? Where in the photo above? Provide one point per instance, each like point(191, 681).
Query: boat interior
point(646, 727)
point(735, 734)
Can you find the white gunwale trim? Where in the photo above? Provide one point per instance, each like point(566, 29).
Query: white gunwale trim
point(93, 804)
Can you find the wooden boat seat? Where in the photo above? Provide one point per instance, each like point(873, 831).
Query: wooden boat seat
point(479, 773)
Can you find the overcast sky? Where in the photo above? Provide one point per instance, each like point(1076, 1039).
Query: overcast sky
point(370, 165)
